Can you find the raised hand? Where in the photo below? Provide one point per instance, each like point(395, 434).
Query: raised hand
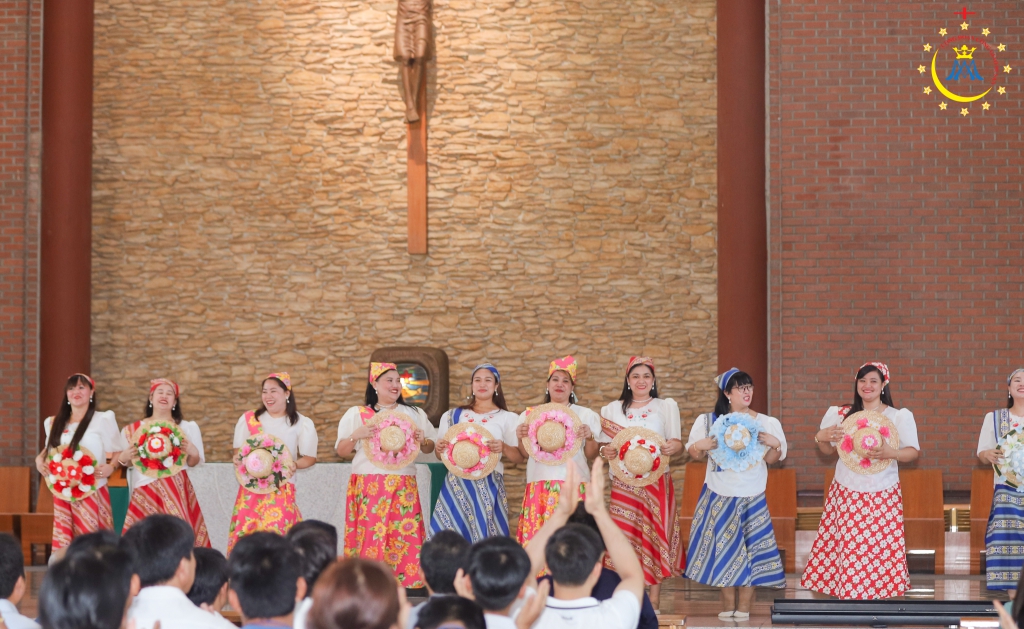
point(594, 502)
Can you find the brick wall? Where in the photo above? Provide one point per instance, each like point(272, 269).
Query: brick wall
point(20, 38)
point(895, 227)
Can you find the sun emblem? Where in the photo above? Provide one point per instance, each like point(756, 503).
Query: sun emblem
point(964, 68)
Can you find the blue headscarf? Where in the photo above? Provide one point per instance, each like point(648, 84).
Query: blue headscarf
point(489, 367)
point(723, 380)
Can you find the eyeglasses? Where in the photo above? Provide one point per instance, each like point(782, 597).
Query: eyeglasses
point(747, 388)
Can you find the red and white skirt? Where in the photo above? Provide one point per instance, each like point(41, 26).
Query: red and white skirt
point(647, 516)
point(71, 519)
point(173, 495)
point(860, 551)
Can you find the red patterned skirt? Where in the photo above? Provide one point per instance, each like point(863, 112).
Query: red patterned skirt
point(860, 551)
point(276, 512)
point(384, 522)
point(174, 496)
point(647, 515)
point(71, 519)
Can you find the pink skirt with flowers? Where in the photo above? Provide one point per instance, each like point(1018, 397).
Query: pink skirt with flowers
point(539, 502)
point(276, 512)
point(860, 552)
point(384, 522)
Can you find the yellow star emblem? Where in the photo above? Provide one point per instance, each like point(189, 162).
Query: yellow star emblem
point(985, 32)
point(1002, 90)
point(942, 32)
point(985, 106)
point(927, 90)
point(964, 26)
point(1001, 47)
point(1007, 68)
point(927, 47)
point(921, 69)
point(964, 112)
point(942, 106)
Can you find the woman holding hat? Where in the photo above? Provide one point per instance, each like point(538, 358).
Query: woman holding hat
point(383, 515)
point(478, 508)
point(78, 427)
point(1004, 537)
point(647, 515)
point(277, 416)
point(732, 543)
point(860, 551)
point(173, 494)
point(544, 482)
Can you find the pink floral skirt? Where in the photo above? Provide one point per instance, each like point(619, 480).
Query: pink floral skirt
point(384, 522)
point(539, 502)
point(275, 512)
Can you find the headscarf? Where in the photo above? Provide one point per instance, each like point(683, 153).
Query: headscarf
point(489, 367)
point(283, 376)
point(1012, 374)
point(881, 367)
point(153, 384)
point(640, 360)
point(722, 380)
point(92, 384)
point(567, 364)
point(379, 369)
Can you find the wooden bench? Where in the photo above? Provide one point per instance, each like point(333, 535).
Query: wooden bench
point(982, 492)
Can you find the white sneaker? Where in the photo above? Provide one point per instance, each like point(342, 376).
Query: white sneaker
point(726, 615)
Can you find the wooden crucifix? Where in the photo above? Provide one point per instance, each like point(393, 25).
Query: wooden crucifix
point(412, 46)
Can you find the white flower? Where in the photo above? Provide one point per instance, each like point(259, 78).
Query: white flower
point(88, 469)
point(168, 462)
point(175, 440)
point(51, 479)
point(57, 458)
point(154, 429)
point(66, 492)
point(78, 455)
point(85, 488)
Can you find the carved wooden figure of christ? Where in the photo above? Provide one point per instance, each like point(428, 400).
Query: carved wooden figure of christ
point(412, 46)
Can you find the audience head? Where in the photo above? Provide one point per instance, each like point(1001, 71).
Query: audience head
point(265, 576)
point(161, 550)
point(580, 516)
point(317, 552)
point(87, 590)
point(210, 587)
point(319, 525)
point(451, 612)
point(357, 593)
point(93, 543)
point(573, 555)
point(497, 568)
point(442, 557)
point(12, 569)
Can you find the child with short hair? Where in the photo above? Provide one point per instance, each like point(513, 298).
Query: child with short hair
point(495, 577)
point(12, 584)
point(210, 588)
point(266, 582)
point(451, 612)
point(442, 557)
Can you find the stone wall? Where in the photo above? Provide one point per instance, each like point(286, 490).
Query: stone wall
point(249, 205)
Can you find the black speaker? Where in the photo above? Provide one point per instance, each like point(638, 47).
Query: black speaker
point(824, 612)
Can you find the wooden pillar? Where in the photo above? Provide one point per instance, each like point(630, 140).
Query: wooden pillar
point(66, 221)
point(417, 174)
point(742, 221)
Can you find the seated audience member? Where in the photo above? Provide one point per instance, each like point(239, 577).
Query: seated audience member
point(94, 543)
point(319, 525)
point(357, 592)
point(161, 550)
point(12, 583)
point(210, 587)
point(450, 612)
point(265, 580)
point(443, 555)
point(87, 590)
point(573, 555)
point(495, 577)
point(317, 551)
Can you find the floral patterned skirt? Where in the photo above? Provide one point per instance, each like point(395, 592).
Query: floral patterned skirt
point(276, 512)
point(860, 551)
point(539, 502)
point(71, 519)
point(384, 522)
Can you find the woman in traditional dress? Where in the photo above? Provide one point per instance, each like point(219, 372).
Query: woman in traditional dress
point(478, 508)
point(647, 515)
point(544, 482)
point(1004, 537)
point(78, 425)
point(732, 543)
point(278, 415)
point(172, 495)
point(383, 515)
point(860, 551)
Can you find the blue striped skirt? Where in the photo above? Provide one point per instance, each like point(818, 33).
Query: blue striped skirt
point(732, 543)
point(473, 508)
point(1004, 539)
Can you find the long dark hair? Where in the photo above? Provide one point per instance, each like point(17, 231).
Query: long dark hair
point(738, 379)
point(371, 399)
point(499, 397)
point(63, 416)
point(858, 403)
point(176, 414)
point(290, 409)
point(627, 394)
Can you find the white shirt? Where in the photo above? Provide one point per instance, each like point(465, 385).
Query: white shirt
point(621, 611)
point(536, 472)
point(890, 476)
point(191, 431)
point(102, 437)
point(172, 608)
point(361, 464)
point(500, 424)
point(988, 441)
point(494, 621)
point(301, 611)
point(13, 619)
point(751, 481)
point(659, 415)
point(300, 439)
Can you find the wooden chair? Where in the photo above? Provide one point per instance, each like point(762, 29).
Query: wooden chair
point(37, 527)
point(693, 481)
point(924, 523)
point(17, 485)
point(982, 492)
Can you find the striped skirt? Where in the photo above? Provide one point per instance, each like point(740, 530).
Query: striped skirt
point(1004, 539)
point(71, 519)
point(647, 516)
point(173, 495)
point(732, 543)
point(474, 509)
point(384, 522)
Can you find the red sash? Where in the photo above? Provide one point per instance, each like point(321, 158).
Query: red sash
point(366, 413)
point(609, 427)
point(253, 423)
